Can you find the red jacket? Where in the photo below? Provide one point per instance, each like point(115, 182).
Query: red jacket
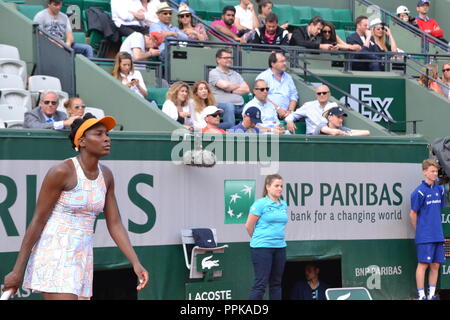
point(431, 27)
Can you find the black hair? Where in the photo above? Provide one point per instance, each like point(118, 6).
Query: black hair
point(76, 125)
point(359, 19)
point(316, 20)
point(272, 17)
point(262, 4)
point(273, 57)
point(228, 8)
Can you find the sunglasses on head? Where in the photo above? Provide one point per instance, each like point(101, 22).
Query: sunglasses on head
point(322, 93)
point(185, 15)
point(50, 102)
point(78, 106)
point(445, 70)
point(263, 89)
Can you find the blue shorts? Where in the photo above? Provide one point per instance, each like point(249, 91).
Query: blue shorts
point(431, 252)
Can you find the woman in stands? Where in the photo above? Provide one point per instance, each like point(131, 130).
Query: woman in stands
point(266, 224)
point(446, 79)
point(75, 107)
point(381, 34)
point(194, 31)
point(201, 98)
point(58, 243)
point(177, 105)
point(427, 77)
point(124, 71)
point(329, 36)
point(264, 9)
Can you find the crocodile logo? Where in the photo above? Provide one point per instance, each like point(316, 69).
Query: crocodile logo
point(208, 264)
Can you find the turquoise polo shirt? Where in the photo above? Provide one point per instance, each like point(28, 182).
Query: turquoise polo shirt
point(270, 228)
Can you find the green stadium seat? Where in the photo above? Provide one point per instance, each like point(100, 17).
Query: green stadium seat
point(325, 13)
point(67, 3)
point(285, 13)
point(205, 9)
point(344, 17)
point(157, 94)
point(103, 4)
point(15, 1)
point(79, 37)
point(29, 10)
point(341, 33)
point(303, 14)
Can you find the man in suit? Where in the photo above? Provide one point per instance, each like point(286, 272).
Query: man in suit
point(362, 37)
point(46, 116)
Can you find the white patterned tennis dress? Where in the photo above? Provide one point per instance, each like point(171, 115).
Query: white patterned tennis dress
point(62, 259)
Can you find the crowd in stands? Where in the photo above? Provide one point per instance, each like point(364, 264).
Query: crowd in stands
point(144, 25)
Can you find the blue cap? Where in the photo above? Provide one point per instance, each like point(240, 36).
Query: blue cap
point(337, 111)
point(254, 113)
point(422, 2)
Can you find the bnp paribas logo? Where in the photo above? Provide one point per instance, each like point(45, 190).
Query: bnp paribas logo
point(239, 195)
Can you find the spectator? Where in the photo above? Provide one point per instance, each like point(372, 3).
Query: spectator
point(211, 116)
point(201, 98)
point(128, 16)
point(264, 9)
point(427, 24)
point(57, 24)
point(164, 25)
point(246, 19)
point(446, 79)
point(194, 31)
point(403, 14)
point(309, 36)
point(142, 47)
point(75, 107)
point(228, 87)
point(380, 32)
point(427, 202)
point(283, 92)
point(334, 126)
point(266, 224)
point(226, 25)
point(150, 7)
point(176, 105)
point(45, 116)
point(270, 113)
point(362, 37)
point(312, 111)
point(271, 33)
point(329, 36)
point(312, 288)
point(123, 71)
point(428, 76)
point(250, 118)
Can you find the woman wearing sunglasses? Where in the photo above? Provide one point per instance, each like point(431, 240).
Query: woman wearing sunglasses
point(194, 31)
point(75, 107)
point(446, 79)
point(329, 36)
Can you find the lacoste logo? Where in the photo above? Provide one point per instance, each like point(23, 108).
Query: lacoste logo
point(208, 264)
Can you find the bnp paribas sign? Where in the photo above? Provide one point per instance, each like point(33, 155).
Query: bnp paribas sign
point(239, 195)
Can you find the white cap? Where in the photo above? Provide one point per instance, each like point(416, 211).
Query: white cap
point(375, 22)
point(210, 110)
point(402, 9)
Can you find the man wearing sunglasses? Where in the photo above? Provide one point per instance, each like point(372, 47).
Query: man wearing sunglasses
point(165, 27)
point(312, 111)
point(211, 114)
point(46, 116)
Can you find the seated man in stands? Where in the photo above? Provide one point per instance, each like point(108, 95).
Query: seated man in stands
point(362, 37)
point(226, 25)
point(334, 126)
point(427, 24)
point(128, 16)
point(270, 113)
point(45, 116)
point(228, 87)
point(211, 114)
point(250, 119)
point(312, 288)
point(309, 36)
point(271, 33)
point(312, 111)
point(142, 47)
point(57, 24)
point(165, 27)
point(282, 90)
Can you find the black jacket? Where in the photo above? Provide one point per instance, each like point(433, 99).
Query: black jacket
point(281, 37)
point(301, 38)
point(354, 38)
point(102, 22)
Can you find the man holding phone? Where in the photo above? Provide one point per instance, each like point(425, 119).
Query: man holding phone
point(309, 36)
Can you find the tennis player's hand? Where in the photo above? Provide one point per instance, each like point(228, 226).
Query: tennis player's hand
point(142, 275)
point(12, 281)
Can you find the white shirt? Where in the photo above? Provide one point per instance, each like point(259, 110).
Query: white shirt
point(134, 40)
point(134, 75)
point(171, 110)
point(312, 111)
point(150, 14)
point(269, 115)
point(245, 17)
point(120, 12)
point(199, 121)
